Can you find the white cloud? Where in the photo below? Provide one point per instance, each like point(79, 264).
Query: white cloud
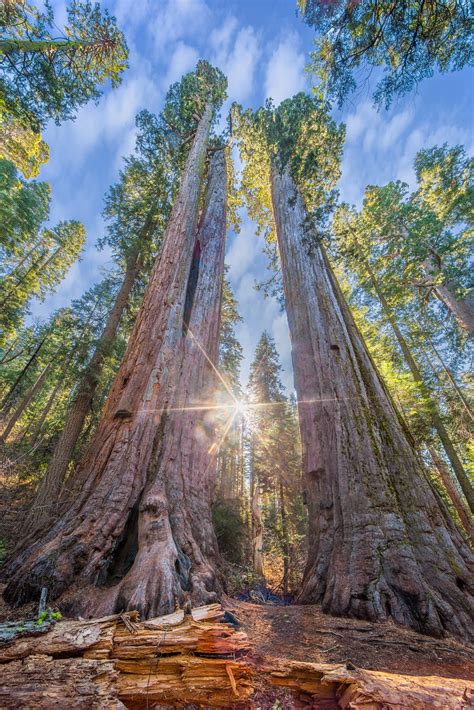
point(285, 75)
point(130, 13)
point(236, 53)
point(177, 19)
point(381, 146)
point(183, 59)
point(110, 121)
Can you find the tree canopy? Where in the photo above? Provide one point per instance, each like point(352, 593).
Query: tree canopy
point(407, 39)
point(43, 77)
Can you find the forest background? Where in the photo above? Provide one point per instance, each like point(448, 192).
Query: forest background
point(263, 48)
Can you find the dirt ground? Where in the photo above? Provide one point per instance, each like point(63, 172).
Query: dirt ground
point(304, 633)
point(296, 632)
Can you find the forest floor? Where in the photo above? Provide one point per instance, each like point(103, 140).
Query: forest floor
point(299, 633)
point(304, 633)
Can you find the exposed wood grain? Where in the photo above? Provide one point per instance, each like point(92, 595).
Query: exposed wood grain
point(162, 667)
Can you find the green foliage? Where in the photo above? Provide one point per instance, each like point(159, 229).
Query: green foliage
point(65, 342)
point(48, 615)
point(230, 530)
point(407, 38)
point(187, 99)
point(275, 466)
point(23, 208)
point(21, 145)
point(396, 251)
point(298, 134)
point(43, 77)
point(446, 184)
point(138, 206)
point(36, 261)
point(415, 241)
point(230, 350)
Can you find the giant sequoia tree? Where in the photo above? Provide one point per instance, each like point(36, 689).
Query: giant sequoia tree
point(381, 543)
point(136, 208)
point(136, 537)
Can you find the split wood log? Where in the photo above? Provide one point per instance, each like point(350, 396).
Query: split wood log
point(349, 688)
point(43, 682)
point(179, 660)
point(117, 662)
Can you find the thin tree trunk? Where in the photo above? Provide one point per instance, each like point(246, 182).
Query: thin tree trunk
point(381, 541)
point(451, 378)
point(286, 543)
point(436, 420)
point(34, 389)
point(8, 401)
point(256, 526)
point(462, 309)
point(45, 502)
point(46, 410)
point(93, 545)
point(461, 509)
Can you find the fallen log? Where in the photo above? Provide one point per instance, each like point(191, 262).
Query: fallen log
point(200, 659)
point(349, 688)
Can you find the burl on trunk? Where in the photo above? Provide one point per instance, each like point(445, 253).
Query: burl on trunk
point(139, 535)
point(381, 542)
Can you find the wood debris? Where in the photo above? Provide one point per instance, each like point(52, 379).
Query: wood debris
point(119, 662)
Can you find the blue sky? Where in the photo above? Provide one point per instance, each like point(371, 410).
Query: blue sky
point(262, 47)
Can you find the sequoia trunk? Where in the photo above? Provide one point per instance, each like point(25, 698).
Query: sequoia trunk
point(381, 542)
point(44, 505)
point(177, 546)
point(94, 544)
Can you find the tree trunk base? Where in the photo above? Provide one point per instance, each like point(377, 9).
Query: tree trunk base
point(201, 658)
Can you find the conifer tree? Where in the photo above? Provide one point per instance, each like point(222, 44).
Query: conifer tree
point(408, 39)
point(275, 467)
point(44, 77)
point(381, 542)
point(137, 209)
point(129, 522)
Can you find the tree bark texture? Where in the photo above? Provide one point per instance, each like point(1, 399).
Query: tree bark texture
point(45, 503)
point(456, 498)
point(257, 533)
point(381, 542)
point(130, 511)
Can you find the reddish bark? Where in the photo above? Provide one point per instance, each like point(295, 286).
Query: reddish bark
point(44, 505)
point(381, 542)
point(130, 509)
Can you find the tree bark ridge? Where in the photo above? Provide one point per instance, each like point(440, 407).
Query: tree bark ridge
point(381, 542)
